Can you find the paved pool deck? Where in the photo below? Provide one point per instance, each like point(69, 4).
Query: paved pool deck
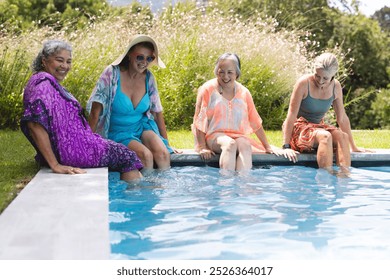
point(63, 217)
point(58, 217)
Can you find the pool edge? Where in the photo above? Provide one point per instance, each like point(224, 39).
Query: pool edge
point(58, 217)
point(66, 217)
point(190, 157)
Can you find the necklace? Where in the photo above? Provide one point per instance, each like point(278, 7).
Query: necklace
point(220, 90)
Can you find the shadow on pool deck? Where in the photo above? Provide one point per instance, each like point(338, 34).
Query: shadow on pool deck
point(60, 217)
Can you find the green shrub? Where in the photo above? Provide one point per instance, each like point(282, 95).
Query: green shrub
point(380, 109)
point(190, 40)
point(357, 106)
point(14, 73)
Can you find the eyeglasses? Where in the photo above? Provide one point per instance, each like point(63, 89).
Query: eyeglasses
point(141, 57)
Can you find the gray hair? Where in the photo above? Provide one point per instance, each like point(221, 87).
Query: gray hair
point(230, 56)
point(49, 48)
point(328, 62)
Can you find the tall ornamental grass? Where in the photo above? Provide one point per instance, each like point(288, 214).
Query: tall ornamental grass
point(194, 39)
point(190, 39)
point(14, 73)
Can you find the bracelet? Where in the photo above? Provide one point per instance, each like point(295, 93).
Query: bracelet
point(286, 146)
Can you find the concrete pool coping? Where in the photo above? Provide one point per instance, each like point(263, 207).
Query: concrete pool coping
point(379, 158)
point(61, 217)
point(58, 217)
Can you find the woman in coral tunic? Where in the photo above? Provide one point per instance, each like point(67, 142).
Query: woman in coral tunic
point(225, 117)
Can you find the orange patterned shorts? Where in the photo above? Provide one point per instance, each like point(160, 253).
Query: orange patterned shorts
point(304, 132)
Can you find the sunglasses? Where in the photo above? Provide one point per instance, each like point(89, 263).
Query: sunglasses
point(141, 57)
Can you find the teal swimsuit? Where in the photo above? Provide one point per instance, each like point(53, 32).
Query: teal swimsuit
point(128, 123)
point(314, 110)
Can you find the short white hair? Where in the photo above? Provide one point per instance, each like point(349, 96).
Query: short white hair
point(328, 62)
point(230, 56)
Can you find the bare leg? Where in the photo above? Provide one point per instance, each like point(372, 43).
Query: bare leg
point(244, 157)
point(131, 176)
point(228, 149)
point(157, 147)
point(325, 149)
point(343, 153)
point(144, 155)
point(135, 179)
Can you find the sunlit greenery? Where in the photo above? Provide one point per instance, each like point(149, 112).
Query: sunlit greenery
point(190, 41)
point(17, 165)
point(275, 49)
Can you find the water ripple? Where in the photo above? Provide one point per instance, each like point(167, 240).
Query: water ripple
point(275, 213)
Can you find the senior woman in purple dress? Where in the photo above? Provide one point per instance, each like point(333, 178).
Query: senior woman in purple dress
point(54, 123)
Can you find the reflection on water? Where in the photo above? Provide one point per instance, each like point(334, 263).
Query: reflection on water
point(270, 213)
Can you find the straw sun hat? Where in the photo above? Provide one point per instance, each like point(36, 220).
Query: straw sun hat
point(136, 39)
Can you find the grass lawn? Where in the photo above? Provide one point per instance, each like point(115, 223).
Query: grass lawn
point(17, 165)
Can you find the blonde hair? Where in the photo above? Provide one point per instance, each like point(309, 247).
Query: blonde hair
point(328, 62)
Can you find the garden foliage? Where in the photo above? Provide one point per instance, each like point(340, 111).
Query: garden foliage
point(190, 39)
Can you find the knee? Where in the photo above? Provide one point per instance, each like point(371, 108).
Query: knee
point(230, 146)
point(245, 147)
point(340, 137)
point(162, 156)
point(146, 156)
point(325, 138)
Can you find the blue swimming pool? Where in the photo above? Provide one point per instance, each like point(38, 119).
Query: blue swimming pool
point(271, 213)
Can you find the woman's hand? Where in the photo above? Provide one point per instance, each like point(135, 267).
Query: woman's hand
point(291, 154)
point(362, 150)
point(64, 169)
point(287, 153)
point(206, 154)
point(176, 151)
point(270, 150)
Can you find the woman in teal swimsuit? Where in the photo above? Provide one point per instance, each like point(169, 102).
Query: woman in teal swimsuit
point(125, 105)
point(304, 129)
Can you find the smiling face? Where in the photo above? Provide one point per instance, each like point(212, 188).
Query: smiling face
point(58, 64)
point(226, 72)
point(322, 77)
point(140, 57)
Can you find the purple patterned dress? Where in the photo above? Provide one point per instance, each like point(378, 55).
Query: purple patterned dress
point(73, 142)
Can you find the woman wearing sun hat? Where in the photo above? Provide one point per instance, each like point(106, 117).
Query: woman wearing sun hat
point(125, 105)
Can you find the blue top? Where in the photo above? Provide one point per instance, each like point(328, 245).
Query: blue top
point(313, 109)
point(127, 122)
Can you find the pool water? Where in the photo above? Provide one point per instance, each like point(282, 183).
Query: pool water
point(271, 213)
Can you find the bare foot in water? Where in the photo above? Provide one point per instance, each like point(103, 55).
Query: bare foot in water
point(143, 184)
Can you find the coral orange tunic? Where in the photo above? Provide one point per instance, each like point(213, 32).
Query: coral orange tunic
point(235, 118)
